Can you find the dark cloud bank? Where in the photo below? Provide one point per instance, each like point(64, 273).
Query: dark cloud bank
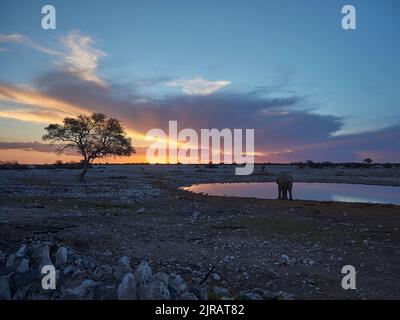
point(34, 146)
point(285, 128)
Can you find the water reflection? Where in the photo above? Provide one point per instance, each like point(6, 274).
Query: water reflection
point(305, 191)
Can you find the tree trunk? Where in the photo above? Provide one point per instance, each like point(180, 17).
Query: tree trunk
point(81, 176)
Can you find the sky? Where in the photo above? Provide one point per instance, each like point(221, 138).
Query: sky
point(287, 69)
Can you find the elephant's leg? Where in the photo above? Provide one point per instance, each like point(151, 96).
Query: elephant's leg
point(284, 194)
point(279, 193)
point(290, 193)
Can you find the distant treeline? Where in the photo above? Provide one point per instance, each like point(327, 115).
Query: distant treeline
point(349, 165)
point(14, 165)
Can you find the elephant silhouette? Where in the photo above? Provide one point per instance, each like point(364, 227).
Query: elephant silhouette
point(285, 185)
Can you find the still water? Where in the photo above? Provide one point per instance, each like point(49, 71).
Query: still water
point(305, 191)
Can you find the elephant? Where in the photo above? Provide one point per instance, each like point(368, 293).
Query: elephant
point(285, 184)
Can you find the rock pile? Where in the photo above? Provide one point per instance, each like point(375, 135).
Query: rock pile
point(80, 277)
point(83, 278)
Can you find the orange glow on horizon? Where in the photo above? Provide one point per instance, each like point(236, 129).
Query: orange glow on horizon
point(36, 157)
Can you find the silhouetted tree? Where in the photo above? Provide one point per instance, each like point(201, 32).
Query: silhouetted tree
point(368, 161)
point(94, 137)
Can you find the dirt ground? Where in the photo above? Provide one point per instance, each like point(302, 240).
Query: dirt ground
point(298, 247)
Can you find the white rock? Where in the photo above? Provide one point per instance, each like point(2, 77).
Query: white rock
point(23, 266)
point(285, 257)
point(10, 261)
point(159, 290)
point(250, 295)
point(61, 256)
point(143, 273)
point(287, 260)
point(187, 296)
point(45, 254)
point(215, 276)
point(124, 262)
point(70, 270)
point(21, 251)
point(161, 276)
point(127, 288)
point(144, 291)
point(201, 293)
point(285, 296)
point(83, 288)
point(312, 262)
point(103, 272)
point(221, 292)
point(5, 293)
point(176, 285)
point(122, 268)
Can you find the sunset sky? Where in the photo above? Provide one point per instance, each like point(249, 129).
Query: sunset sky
point(311, 90)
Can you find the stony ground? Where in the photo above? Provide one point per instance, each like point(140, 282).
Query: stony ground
point(298, 247)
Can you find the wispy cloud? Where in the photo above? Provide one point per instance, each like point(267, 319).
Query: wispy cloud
point(199, 86)
point(21, 39)
point(78, 54)
point(81, 57)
